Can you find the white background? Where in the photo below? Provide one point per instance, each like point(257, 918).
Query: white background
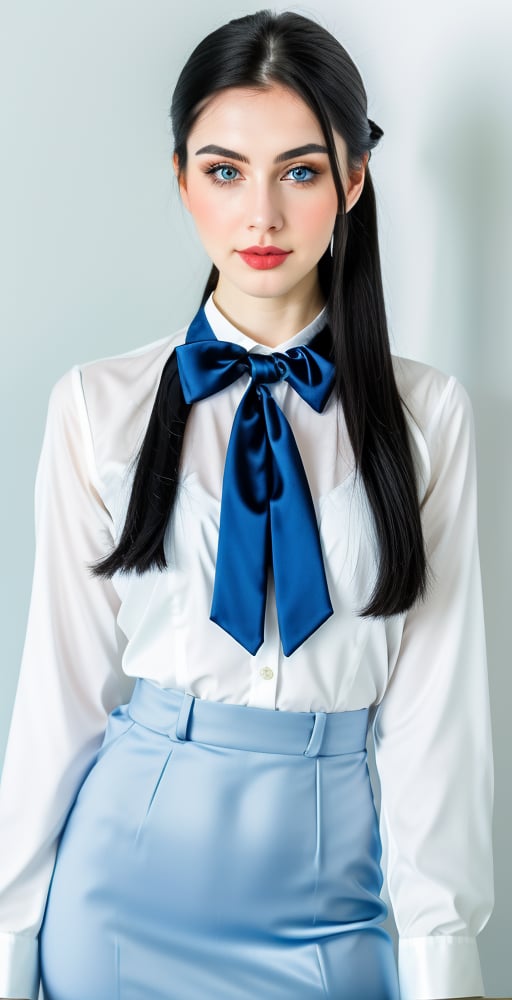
point(97, 255)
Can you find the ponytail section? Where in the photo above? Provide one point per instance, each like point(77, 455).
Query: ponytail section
point(141, 545)
point(373, 411)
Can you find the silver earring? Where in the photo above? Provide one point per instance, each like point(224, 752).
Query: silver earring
point(332, 244)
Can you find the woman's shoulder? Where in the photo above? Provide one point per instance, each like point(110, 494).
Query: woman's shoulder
point(110, 383)
point(130, 376)
point(426, 391)
point(121, 385)
point(436, 407)
point(119, 392)
point(111, 398)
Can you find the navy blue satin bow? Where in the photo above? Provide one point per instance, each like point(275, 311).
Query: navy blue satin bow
point(267, 513)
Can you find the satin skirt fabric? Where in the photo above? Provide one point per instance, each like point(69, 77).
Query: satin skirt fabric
point(220, 852)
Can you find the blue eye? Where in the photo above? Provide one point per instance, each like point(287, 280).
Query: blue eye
point(227, 179)
point(303, 179)
point(222, 173)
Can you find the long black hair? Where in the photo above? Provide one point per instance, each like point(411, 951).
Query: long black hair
point(259, 50)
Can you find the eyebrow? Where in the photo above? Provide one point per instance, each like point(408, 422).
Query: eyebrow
point(289, 154)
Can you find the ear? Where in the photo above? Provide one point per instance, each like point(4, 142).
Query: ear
point(182, 181)
point(356, 183)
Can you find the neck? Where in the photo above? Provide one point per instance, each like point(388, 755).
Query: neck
point(268, 321)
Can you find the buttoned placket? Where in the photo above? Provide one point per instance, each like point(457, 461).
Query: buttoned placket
point(265, 663)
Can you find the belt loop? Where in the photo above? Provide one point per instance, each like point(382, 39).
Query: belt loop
point(183, 717)
point(315, 741)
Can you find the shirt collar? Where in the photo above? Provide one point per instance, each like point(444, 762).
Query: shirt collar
point(225, 330)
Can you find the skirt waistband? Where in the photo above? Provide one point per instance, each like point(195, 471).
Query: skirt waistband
point(181, 716)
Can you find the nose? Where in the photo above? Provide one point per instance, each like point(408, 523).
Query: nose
point(264, 211)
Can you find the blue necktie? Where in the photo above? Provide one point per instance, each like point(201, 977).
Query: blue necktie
point(267, 514)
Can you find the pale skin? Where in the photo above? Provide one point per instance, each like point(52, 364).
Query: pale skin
point(265, 203)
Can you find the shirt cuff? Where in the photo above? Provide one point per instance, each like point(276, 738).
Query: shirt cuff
point(438, 967)
point(19, 966)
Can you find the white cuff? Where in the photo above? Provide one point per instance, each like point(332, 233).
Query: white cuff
point(19, 966)
point(439, 966)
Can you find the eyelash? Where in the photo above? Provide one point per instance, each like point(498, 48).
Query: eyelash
point(211, 170)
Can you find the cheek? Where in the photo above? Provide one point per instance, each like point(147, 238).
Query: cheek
point(209, 213)
point(317, 216)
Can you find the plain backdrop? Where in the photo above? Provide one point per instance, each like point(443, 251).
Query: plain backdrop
point(98, 256)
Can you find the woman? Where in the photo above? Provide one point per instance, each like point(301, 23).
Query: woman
point(293, 519)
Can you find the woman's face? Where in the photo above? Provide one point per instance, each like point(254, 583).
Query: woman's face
point(240, 197)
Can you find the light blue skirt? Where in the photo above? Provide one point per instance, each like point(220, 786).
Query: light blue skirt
point(220, 852)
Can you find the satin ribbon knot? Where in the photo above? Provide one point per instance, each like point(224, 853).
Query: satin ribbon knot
point(266, 368)
point(267, 513)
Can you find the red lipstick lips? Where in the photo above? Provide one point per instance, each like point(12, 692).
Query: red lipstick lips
point(264, 250)
point(264, 258)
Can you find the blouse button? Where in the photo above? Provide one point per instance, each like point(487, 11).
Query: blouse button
point(266, 673)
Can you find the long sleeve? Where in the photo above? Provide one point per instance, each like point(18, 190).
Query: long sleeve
point(433, 737)
point(70, 679)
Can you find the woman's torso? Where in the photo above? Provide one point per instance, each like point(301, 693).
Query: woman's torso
point(167, 635)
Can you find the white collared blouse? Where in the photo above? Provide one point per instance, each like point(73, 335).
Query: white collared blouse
point(423, 673)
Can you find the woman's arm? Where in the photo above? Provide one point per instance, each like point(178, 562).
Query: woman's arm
point(70, 678)
point(433, 737)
